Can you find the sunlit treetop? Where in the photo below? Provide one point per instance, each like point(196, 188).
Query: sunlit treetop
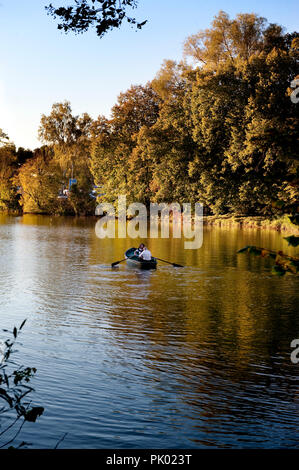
point(103, 15)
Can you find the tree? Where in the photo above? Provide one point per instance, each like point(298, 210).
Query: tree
point(244, 123)
point(70, 138)
point(137, 107)
point(8, 168)
point(68, 135)
point(227, 41)
point(80, 199)
point(103, 15)
point(40, 180)
point(61, 130)
point(23, 155)
point(116, 139)
point(159, 162)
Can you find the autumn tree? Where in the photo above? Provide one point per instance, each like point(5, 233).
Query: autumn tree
point(227, 41)
point(243, 119)
point(69, 136)
point(8, 168)
point(159, 162)
point(112, 148)
point(23, 155)
point(39, 179)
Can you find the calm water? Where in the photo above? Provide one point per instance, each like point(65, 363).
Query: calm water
point(174, 358)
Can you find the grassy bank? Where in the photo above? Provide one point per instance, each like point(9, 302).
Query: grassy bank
point(281, 224)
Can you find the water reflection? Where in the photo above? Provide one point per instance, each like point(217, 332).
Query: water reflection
point(187, 357)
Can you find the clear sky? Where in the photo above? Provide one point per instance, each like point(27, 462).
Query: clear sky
point(40, 65)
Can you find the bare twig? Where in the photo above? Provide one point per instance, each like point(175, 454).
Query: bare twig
point(60, 440)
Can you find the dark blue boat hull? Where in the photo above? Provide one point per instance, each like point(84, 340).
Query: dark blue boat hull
point(135, 261)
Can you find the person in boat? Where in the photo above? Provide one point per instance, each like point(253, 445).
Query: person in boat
point(146, 254)
point(139, 249)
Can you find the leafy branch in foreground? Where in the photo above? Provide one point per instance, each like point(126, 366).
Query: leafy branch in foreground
point(283, 263)
point(14, 389)
point(104, 15)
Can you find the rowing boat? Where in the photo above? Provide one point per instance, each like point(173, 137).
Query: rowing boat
point(133, 260)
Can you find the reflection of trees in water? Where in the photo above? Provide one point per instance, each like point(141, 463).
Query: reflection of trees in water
point(221, 342)
point(223, 316)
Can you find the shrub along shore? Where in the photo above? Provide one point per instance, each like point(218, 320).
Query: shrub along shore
point(281, 224)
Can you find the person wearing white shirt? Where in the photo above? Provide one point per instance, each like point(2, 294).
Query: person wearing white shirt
point(146, 254)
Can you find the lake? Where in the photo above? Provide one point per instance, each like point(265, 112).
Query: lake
point(193, 357)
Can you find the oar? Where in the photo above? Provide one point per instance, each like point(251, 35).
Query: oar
point(164, 261)
point(173, 264)
point(117, 262)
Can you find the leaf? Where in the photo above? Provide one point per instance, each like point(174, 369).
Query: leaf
point(265, 253)
point(32, 414)
point(243, 250)
point(6, 397)
point(22, 444)
point(278, 270)
point(23, 324)
point(278, 204)
point(294, 219)
point(293, 267)
point(292, 240)
point(255, 251)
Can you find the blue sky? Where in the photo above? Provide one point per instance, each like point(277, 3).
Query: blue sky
point(39, 65)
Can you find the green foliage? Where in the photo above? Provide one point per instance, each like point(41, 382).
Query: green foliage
point(278, 270)
point(14, 390)
point(283, 263)
point(8, 167)
point(40, 180)
point(80, 199)
point(227, 41)
point(113, 155)
point(244, 127)
point(68, 136)
point(292, 240)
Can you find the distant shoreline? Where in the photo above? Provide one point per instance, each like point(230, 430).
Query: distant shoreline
point(279, 224)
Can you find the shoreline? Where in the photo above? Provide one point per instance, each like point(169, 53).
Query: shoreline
point(279, 224)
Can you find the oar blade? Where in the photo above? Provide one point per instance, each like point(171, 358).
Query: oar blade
point(117, 262)
point(175, 265)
